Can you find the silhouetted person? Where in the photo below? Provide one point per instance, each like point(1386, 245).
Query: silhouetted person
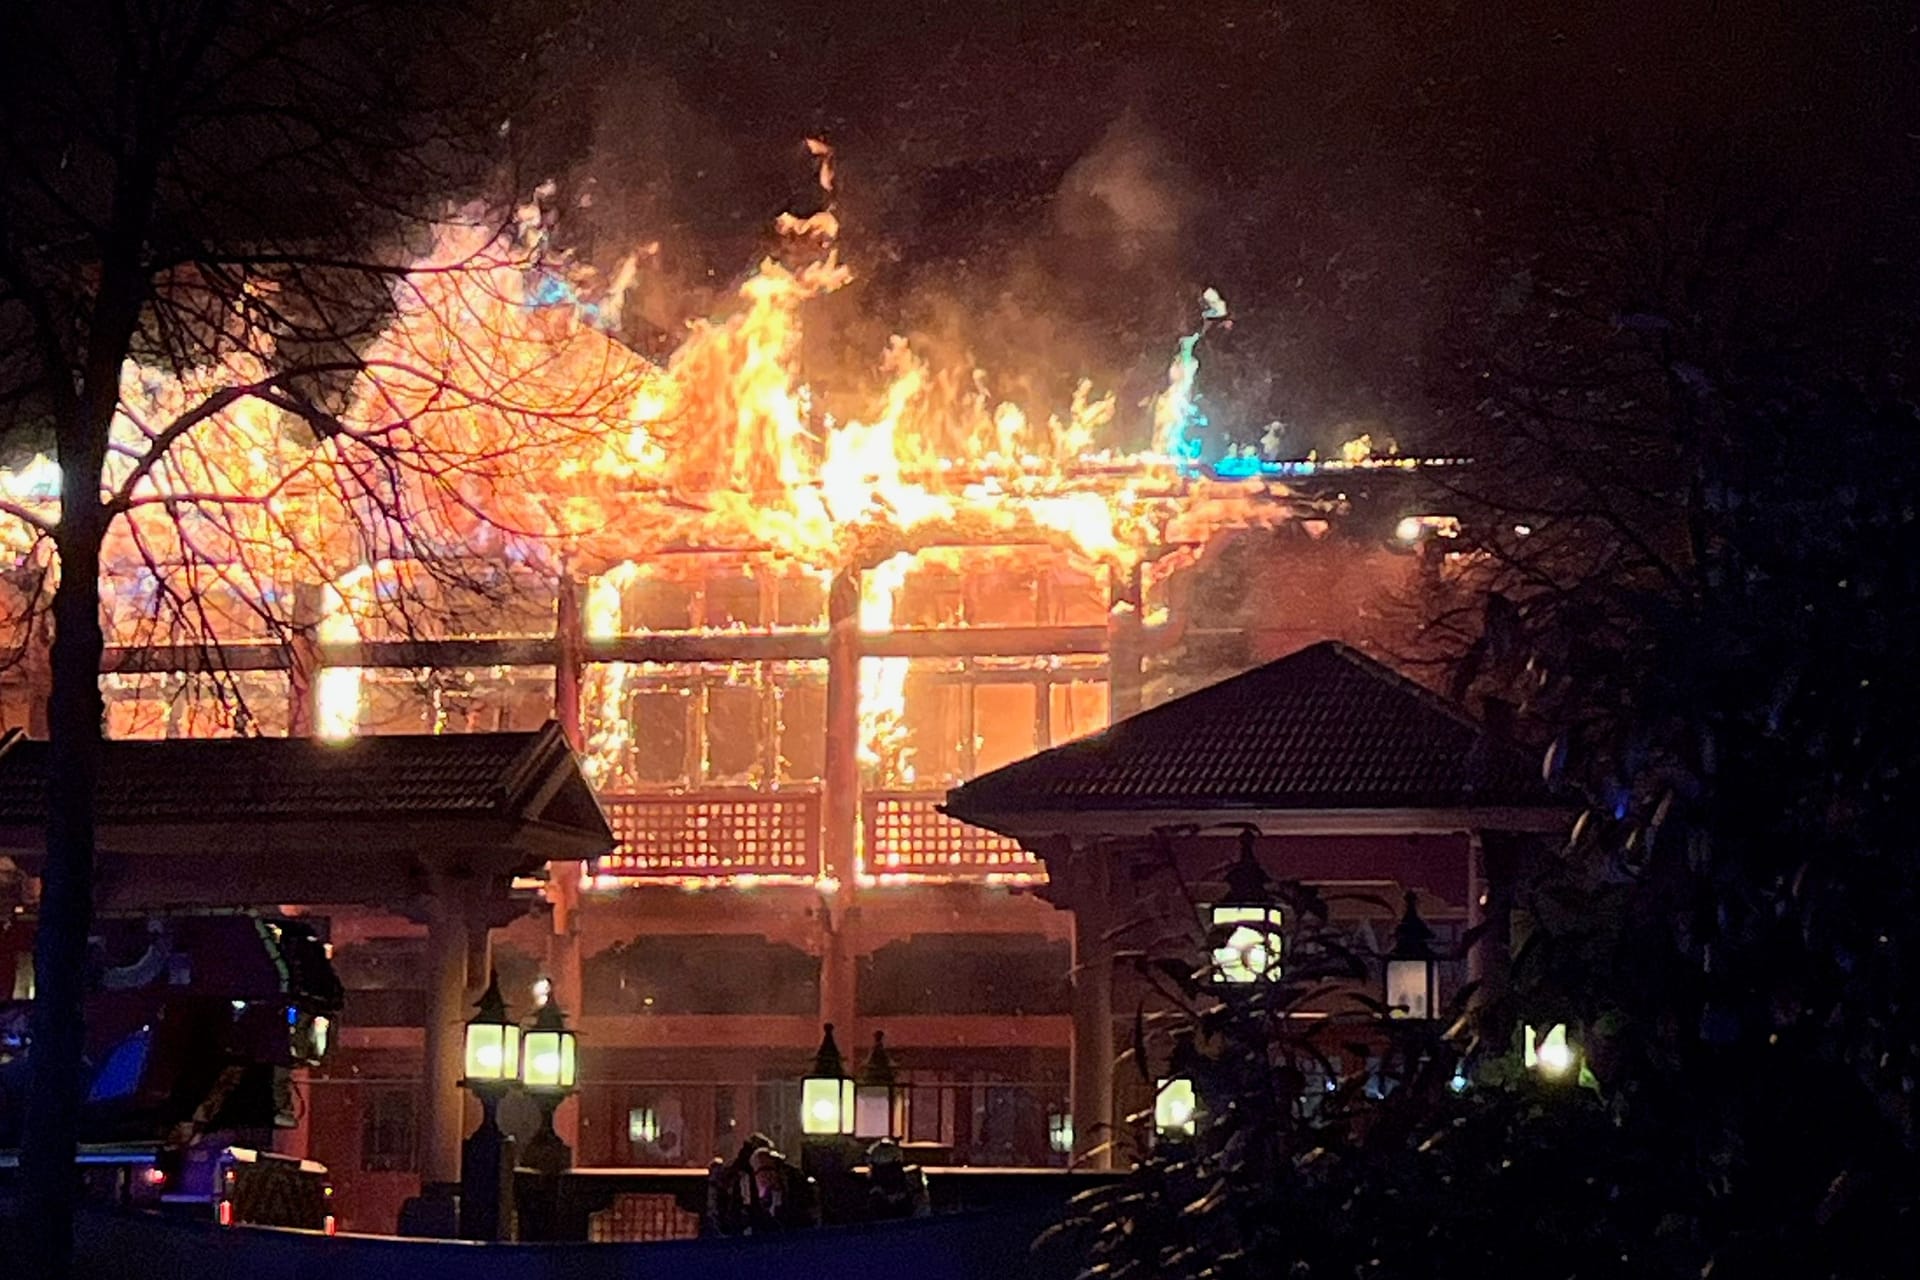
point(730, 1188)
point(784, 1198)
point(895, 1188)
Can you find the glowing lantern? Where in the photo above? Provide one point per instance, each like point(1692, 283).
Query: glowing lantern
point(1246, 924)
point(826, 1094)
point(1060, 1131)
point(548, 1053)
point(1413, 971)
point(493, 1042)
point(879, 1104)
point(1176, 1109)
point(1551, 1054)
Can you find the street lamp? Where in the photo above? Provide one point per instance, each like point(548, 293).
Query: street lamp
point(1413, 971)
point(826, 1094)
point(1176, 1102)
point(486, 1167)
point(1175, 1110)
point(1246, 923)
point(548, 1060)
point(492, 1045)
point(879, 1104)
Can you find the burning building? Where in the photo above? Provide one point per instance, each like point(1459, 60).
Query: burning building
point(775, 634)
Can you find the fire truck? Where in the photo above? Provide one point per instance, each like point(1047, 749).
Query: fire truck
point(195, 1023)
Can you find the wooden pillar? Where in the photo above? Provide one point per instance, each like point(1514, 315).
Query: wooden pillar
point(563, 970)
point(569, 646)
point(840, 802)
point(1091, 1081)
point(1491, 870)
point(563, 878)
point(450, 925)
point(839, 960)
point(303, 661)
point(1126, 682)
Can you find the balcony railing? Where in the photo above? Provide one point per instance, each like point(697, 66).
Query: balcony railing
point(725, 833)
point(714, 833)
point(907, 835)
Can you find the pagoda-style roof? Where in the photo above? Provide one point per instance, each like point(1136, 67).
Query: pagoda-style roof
point(246, 821)
point(1326, 738)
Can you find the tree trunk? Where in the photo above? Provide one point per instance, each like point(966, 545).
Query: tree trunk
point(74, 714)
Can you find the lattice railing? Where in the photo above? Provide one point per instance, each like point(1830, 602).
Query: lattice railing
point(714, 833)
point(906, 834)
point(642, 1217)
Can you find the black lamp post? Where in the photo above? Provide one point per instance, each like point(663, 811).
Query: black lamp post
point(1412, 969)
point(548, 1060)
point(492, 1056)
point(826, 1094)
point(828, 1148)
point(1246, 923)
point(879, 1104)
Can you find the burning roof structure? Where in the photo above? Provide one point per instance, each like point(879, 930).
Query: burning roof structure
point(509, 482)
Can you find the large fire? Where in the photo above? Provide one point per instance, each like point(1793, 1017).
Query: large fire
point(496, 423)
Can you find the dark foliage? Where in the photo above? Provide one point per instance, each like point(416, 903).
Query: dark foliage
point(1692, 561)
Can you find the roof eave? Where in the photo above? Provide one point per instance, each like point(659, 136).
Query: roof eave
point(1041, 825)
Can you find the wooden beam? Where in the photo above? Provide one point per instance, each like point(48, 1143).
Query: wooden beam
point(664, 647)
point(627, 1031)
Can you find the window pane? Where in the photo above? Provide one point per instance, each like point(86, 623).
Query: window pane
point(1077, 709)
point(801, 602)
point(701, 973)
point(660, 736)
point(732, 601)
point(933, 729)
point(733, 733)
point(1002, 724)
point(1002, 598)
point(931, 598)
point(935, 973)
point(803, 731)
point(657, 606)
point(1079, 599)
point(387, 1130)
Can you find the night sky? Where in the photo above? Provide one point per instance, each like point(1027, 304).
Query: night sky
point(1048, 186)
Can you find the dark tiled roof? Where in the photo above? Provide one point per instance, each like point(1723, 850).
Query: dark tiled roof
point(206, 780)
point(1324, 728)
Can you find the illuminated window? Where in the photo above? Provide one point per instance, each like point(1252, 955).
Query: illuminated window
point(651, 605)
point(1003, 724)
point(1076, 710)
point(933, 728)
point(643, 1125)
point(932, 597)
point(732, 601)
point(659, 752)
point(1002, 598)
point(802, 711)
point(800, 602)
point(735, 715)
point(1078, 599)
